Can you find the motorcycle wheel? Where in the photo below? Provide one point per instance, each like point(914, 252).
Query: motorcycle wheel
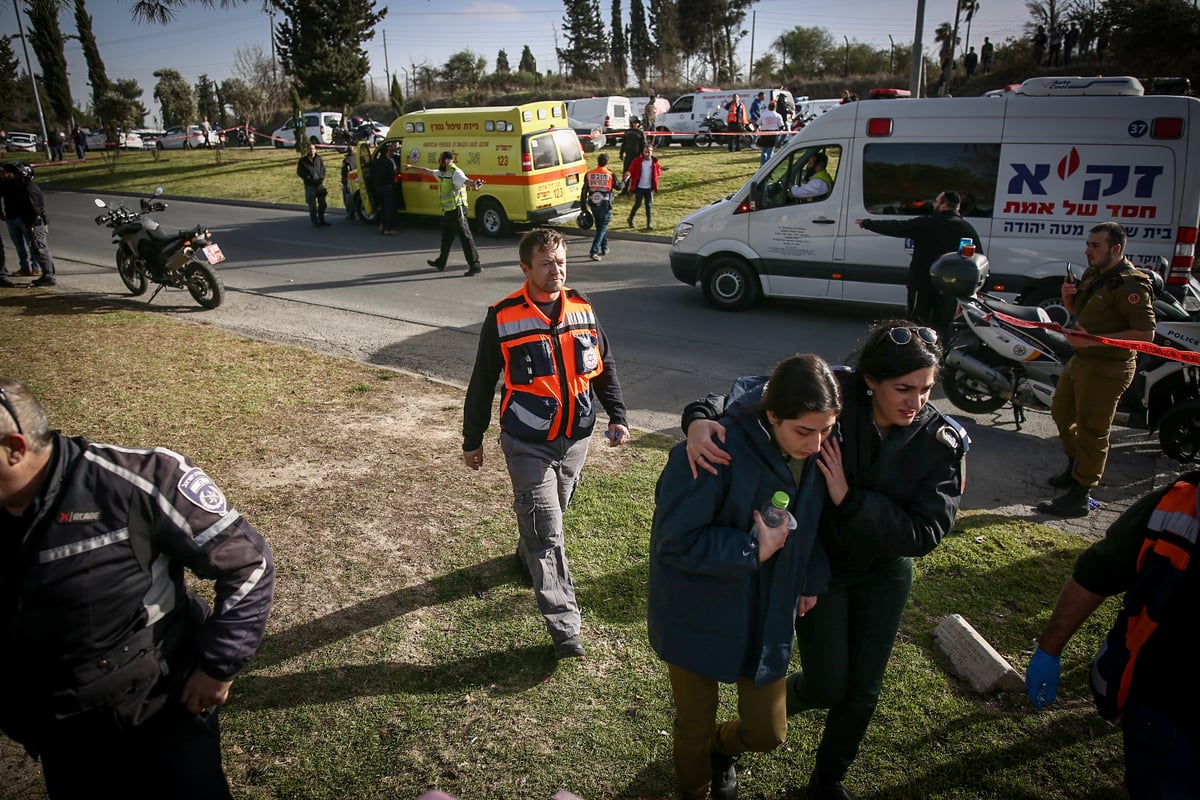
point(963, 391)
point(134, 279)
point(203, 284)
point(704, 139)
point(1179, 431)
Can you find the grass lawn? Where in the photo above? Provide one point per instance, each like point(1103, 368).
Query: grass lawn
point(405, 652)
point(692, 177)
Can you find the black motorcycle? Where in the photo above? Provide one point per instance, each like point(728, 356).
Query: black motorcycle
point(146, 253)
point(715, 124)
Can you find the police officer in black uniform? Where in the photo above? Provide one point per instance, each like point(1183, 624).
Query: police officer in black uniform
point(1113, 299)
point(113, 670)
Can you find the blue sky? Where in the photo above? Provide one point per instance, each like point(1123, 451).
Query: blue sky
point(204, 40)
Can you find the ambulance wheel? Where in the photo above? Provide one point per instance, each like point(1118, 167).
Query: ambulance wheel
point(729, 285)
point(361, 212)
point(491, 218)
point(1049, 298)
point(1179, 431)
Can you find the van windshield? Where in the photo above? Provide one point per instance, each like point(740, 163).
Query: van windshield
point(682, 105)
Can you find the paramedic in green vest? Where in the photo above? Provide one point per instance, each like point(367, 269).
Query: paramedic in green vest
point(452, 194)
point(815, 182)
point(1144, 676)
point(1113, 299)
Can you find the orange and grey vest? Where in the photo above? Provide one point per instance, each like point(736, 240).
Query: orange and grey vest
point(737, 113)
point(548, 367)
point(1167, 550)
point(599, 186)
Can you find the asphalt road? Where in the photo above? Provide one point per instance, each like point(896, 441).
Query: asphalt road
point(346, 290)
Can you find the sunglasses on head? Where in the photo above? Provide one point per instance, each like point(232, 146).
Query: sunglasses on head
point(4, 401)
point(903, 336)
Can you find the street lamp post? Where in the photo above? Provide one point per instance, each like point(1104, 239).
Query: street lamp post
point(33, 80)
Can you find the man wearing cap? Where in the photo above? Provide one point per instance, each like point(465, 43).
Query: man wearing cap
point(452, 194)
point(632, 144)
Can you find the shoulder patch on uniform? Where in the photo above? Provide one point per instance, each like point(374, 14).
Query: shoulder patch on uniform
point(1134, 298)
point(954, 435)
point(200, 491)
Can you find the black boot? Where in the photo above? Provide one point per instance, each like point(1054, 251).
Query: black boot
point(1075, 503)
point(1064, 479)
point(724, 776)
point(821, 787)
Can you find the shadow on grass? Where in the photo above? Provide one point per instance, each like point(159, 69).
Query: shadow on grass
point(60, 304)
point(505, 672)
point(502, 672)
point(1007, 771)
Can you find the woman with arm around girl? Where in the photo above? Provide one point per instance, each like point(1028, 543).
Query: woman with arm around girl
point(895, 480)
point(725, 588)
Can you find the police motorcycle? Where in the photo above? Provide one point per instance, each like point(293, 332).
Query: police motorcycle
point(989, 362)
point(145, 253)
point(715, 123)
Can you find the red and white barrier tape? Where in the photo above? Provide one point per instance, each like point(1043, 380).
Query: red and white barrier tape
point(1185, 356)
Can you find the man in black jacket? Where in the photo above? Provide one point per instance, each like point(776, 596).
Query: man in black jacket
point(311, 169)
point(115, 670)
point(933, 236)
point(24, 204)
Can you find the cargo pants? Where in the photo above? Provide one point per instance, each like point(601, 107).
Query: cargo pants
point(544, 476)
point(1085, 401)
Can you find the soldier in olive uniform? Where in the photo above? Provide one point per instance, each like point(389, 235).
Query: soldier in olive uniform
point(1113, 299)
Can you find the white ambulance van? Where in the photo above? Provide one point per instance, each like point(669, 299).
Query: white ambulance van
point(688, 111)
point(1037, 169)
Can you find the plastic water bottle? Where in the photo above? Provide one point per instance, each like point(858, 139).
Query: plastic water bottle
point(775, 512)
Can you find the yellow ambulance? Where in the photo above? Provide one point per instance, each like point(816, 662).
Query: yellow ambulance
point(528, 156)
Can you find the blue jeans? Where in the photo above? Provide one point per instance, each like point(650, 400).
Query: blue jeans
point(1162, 759)
point(17, 232)
point(602, 214)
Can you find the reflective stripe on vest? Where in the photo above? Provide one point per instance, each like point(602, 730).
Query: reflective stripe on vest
point(449, 197)
point(1167, 550)
point(548, 367)
point(599, 185)
point(737, 113)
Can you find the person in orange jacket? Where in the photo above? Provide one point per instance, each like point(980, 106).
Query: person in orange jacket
point(737, 122)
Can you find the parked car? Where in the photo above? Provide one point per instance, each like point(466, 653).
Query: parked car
point(149, 137)
point(591, 138)
point(129, 140)
point(318, 128)
point(22, 142)
point(186, 137)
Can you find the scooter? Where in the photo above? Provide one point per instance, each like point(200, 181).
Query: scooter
point(989, 362)
point(146, 253)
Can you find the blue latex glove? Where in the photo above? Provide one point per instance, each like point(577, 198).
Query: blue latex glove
point(1041, 678)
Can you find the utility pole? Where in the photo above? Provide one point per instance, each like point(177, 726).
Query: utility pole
point(753, 22)
point(29, 66)
point(914, 80)
point(892, 56)
point(274, 73)
point(847, 67)
point(387, 72)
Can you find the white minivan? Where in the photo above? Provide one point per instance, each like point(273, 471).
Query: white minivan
point(688, 111)
point(610, 114)
point(1037, 169)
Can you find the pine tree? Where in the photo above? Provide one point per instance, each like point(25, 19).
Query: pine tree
point(587, 46)
point(320, 47)
point(175, 97)
point(641, 50)
point(619, 48)
point(97, 75)
point(47, 40)
point(664, 15)
point(528, 63)
point(502, 67)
